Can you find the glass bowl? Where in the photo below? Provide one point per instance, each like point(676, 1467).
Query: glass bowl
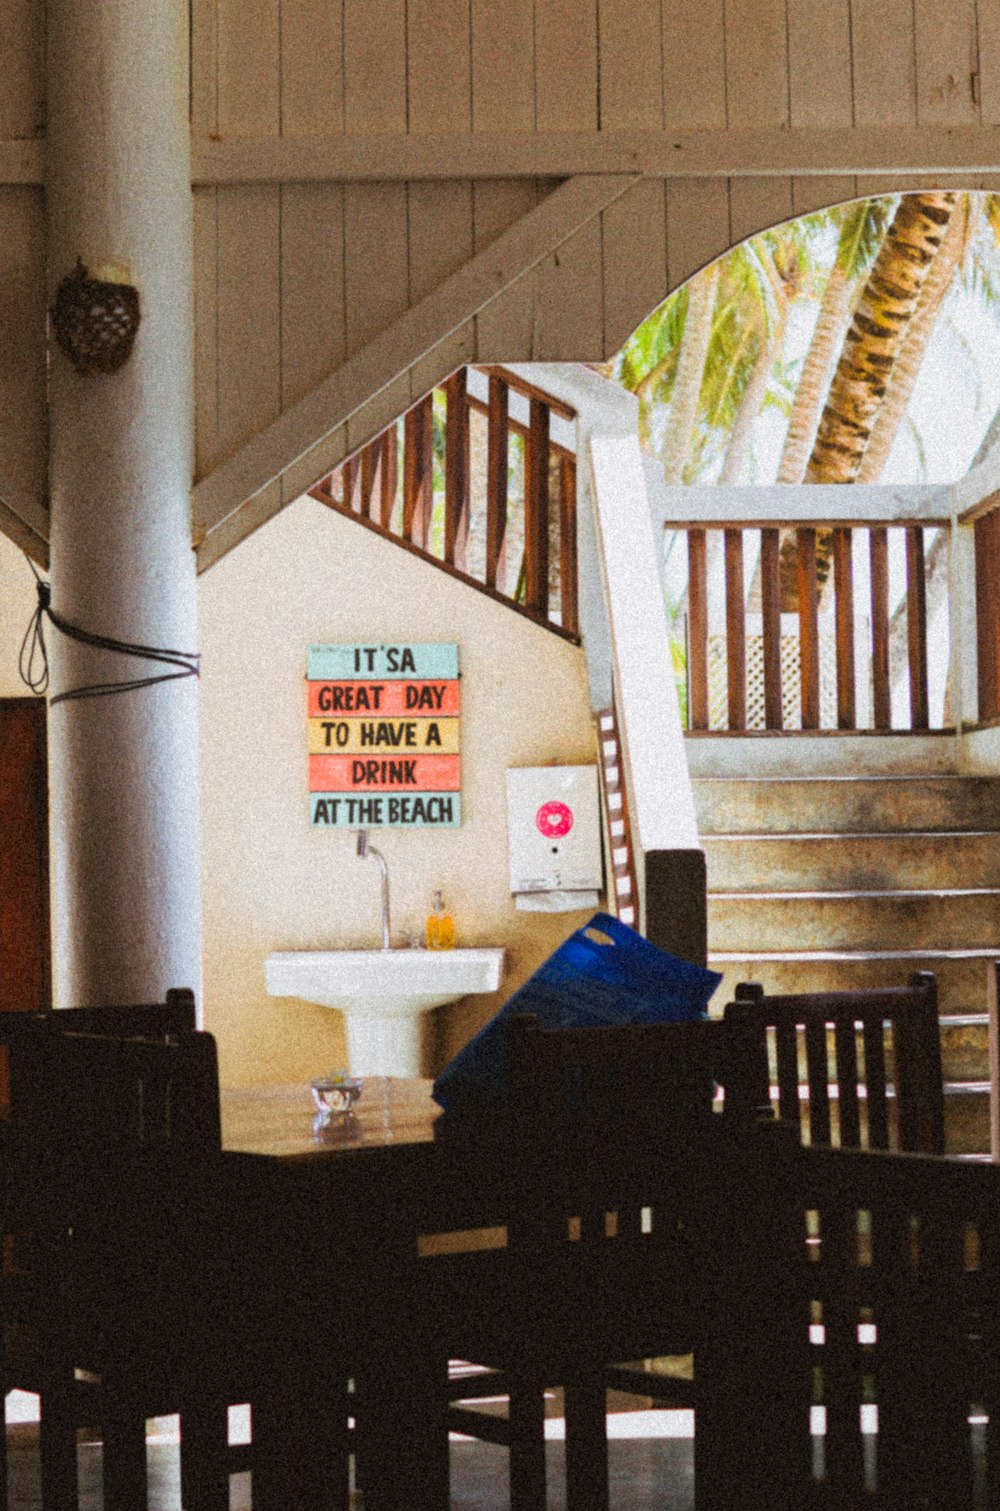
point(335, 1093)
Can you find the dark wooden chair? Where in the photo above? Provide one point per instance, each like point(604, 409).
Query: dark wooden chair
point(147, 1020)
point(855, 1362)
point(856, 1068)
point(144, 1020)
point(614, 1149)
point(123, 1300)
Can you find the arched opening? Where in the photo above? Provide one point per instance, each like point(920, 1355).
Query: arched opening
point(853, 345)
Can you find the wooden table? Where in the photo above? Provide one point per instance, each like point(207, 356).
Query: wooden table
point(329, 1218)
point(279, 1121)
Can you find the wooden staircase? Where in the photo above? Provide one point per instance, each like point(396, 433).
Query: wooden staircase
point(826, 882)
point(478, 478)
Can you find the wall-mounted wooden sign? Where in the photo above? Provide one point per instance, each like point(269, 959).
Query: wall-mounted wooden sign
point(384, 742)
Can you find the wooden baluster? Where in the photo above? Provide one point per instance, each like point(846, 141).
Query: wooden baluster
point(370, 457)
point(349, 483)
point(916, 625)
point(568, 567)
point(496, 480)
point(536, 511)
point(736, 631)
point(987, 539)
point(456, 473)
point(324, 488)
point(770, 589)
point(843, 583)
point(808, 627)
point(418, 471)
point(388, 475)
point(878, 545)
point(697, 631)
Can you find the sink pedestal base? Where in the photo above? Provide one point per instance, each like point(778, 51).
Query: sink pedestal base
point(383, 1046)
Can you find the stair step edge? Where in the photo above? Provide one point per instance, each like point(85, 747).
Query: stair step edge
point(781, 957)
point(852, 896)
point(777, 836)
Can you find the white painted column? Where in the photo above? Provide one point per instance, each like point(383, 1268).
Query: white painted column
point(124, 768)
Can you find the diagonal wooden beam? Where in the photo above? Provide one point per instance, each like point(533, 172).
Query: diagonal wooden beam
point(394, 350)
point(26, 527)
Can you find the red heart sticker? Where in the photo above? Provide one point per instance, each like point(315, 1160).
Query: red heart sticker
point(554, 820)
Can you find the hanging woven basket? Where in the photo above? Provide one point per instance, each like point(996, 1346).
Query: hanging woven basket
point(95, 323)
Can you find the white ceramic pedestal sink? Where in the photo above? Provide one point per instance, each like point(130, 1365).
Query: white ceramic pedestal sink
point(382, 994)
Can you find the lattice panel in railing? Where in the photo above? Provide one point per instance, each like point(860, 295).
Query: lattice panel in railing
point(791, 690)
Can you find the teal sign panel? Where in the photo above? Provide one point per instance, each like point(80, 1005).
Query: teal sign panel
point(385, 810)
point(341, 663)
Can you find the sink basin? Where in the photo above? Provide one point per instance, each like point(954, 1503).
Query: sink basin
point(381, 993)
point(383, 982)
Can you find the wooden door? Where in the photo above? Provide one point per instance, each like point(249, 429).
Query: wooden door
point(25, 982)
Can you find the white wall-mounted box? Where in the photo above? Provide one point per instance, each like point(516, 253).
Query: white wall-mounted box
point(554, 829)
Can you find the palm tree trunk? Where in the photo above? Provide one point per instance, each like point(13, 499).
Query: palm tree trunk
point(875, 337)
point(690, 368)
point(918, 334)
point(873, 342)
point(751, 405)
point(827, 338)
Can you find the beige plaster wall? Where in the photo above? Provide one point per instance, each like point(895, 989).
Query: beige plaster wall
point(17, 604)
point(271, 882)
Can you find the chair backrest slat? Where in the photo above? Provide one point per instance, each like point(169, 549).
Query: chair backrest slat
point(818, 1076)
point(876, 1078)
point(848, 1081)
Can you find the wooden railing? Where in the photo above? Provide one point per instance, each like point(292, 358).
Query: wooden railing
point(473, 479)
point(805, 562)
point(986, 530)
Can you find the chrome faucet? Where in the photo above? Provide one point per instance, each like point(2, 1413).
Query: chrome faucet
point(364, 848)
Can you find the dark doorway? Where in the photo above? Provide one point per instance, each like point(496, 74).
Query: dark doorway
point(25, 979)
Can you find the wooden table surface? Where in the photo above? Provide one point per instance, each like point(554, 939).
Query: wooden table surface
point(280, 1121)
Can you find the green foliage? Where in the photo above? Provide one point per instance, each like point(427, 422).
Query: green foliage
point(776, 277)
point(863, 225)
point(647, 363)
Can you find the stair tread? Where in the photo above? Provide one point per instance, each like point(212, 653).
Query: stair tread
point(860, 892)
point(776, 836)
point(769, 957)
point(822, 778)
point(904, 880)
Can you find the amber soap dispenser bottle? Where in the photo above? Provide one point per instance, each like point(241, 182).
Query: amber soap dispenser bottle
point(440, 926)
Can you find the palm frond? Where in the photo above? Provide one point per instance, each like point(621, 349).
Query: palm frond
point(863, 225)
point(916, 436)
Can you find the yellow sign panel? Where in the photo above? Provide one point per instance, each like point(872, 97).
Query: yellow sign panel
point(357, 736)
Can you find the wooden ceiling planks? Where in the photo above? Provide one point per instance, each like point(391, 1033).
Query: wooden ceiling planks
point(294, 279)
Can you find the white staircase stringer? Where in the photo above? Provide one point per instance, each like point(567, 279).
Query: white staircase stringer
point(654, 763)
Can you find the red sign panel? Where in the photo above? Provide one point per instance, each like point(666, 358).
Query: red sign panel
point(416, 773)
point(390, 700)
